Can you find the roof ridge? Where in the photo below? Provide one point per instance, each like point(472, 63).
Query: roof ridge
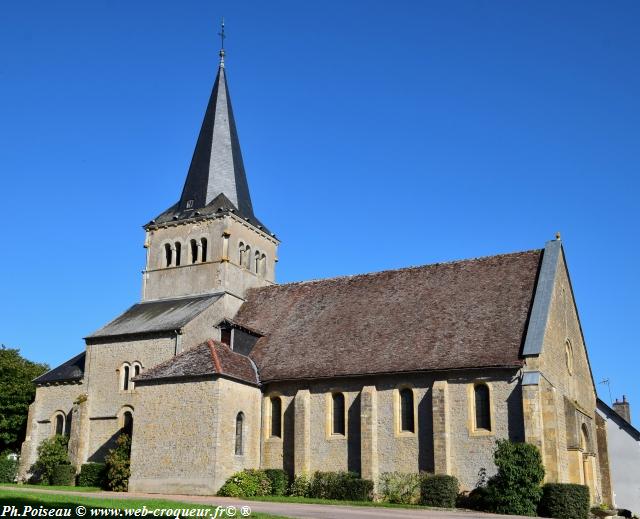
point(402, 269)
point(214, 354)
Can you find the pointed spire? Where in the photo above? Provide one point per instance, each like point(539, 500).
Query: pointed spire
point(217, 167)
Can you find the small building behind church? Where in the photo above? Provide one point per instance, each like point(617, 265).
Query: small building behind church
point(624, 453)
point(218, 368)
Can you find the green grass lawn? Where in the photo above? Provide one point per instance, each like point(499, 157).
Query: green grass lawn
point(317, 501)
point(36, 499)
point(53, 487)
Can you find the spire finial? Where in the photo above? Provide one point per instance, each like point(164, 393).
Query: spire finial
point(222, 37)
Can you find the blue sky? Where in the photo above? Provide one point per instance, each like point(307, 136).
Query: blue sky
point(375, 135)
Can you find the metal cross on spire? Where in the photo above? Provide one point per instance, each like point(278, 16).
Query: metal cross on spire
point(222, 37)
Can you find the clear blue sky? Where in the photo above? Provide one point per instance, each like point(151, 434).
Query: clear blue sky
point(376, 135)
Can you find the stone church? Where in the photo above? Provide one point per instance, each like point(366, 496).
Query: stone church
point(218, 368)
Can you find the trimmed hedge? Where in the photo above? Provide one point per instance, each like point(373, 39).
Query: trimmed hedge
point(279, 481)
point(400, 487)
point(439, 490)
point(92, 475)
point(63, 475)
point(300, 486)
point(248, 483)
point(344, 486)
point(8, 468)
point(564, 501)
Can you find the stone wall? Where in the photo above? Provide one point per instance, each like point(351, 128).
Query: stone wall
point(48, 401)
point(221, 271)
point(106, 400)
point(565, 397)
point(385, 448)
point(184, 435)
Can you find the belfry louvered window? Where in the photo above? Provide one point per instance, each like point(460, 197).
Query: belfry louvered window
point(338, 425)
point(483, 406)
point(407, 422)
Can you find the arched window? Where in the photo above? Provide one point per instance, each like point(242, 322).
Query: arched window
point(59, 424)
point(407, 422)
point(276, 417)
point(127, 423)
point(247, 257)
point(194, 251)
point(239, 433)
point(256, 262)
point(126, 374)
point(134, 371)
point(241, 254)
point(482, 406)
point(168, 255)
point(203, 242)
point(178, 253)
point(337, 404)
point(263, 265)
point(568, 352)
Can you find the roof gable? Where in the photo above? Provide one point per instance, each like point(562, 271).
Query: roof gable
point(69, 371)
point(209, 358)
point(464, 314)
point(156, 316)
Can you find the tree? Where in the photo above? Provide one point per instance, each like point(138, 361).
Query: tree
point(52, 452)
point(16, 393)
point(515, 489)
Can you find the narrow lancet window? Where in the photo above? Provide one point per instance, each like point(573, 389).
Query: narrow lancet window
point(178, 253)
point(482, 405)
point(407, 422)
point(168, 255)
point(276, 417)
point(239, 433)
point(338, 413)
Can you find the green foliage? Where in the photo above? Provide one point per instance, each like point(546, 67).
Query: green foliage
point(279, 481)
point(439, 490)
point(8, 468)
point(515, 489)
point(51, 453)
point(564, 501)
point(63, 475)
point(248, 483)
point(16, 393)
point(400, 487)
point(340, 485)
point(92, 475)
point(300, 486)
point(118, 464)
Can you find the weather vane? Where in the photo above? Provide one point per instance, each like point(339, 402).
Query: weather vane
point(222, 37)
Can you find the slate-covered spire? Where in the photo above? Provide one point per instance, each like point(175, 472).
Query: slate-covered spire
point(217, 167)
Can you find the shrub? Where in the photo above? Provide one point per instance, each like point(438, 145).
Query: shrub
point(63, 475)
point(340, 485)
point(515, 489)
point(248, 483)
point(118, 464)
point(51, 453)
point(564, 501)
point(439, 490)
point(300, 486)
point(279, 481)
point(8, 468)
point(92, 475)
point(400, 487)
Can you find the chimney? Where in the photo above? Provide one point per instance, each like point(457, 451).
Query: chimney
point(622, 408)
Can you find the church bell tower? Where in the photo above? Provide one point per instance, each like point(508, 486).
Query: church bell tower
point(210, 241)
